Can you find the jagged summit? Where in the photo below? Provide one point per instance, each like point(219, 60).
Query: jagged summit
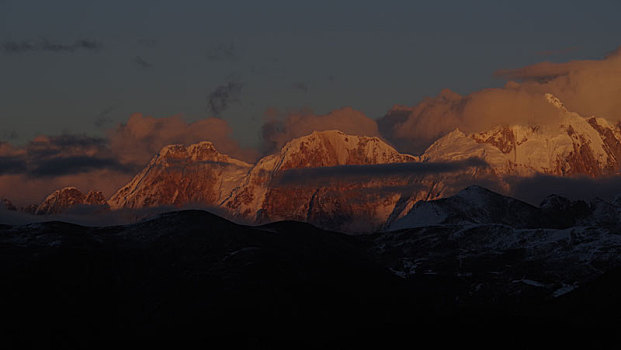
point(202, 151)
point(337, 204)
point(199, 174)
point(573, 145)
point(180, 175)
point(555, 101)
point(66, 198)
point(284, 186)
point(333, 147)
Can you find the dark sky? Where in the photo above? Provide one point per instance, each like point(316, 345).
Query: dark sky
point(83, 66)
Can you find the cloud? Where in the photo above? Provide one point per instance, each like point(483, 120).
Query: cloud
point(65, 145)
point(300, 87)
point(102, 119)
point(12, 165)
point(223, 96)
point(589, 87)
point(136, 141)
point(140, 62)
point(277, 131)
point(348, 172)
point(77, 165)
point(222, 52)
point(53, 156)
point(17, 47)
point(44, 45)
point(46, 163)
point(30, 172)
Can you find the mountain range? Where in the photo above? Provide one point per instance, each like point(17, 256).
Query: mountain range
point(434, 258)
point(356, 183)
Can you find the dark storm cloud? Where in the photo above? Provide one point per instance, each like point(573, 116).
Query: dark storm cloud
point(222, 52)
point(44, 45)
point(141, 62)
point(65, 145)
point(60, 166)
point(309, 175)
point(223, 96)
point(12, 165)
point(62, 155)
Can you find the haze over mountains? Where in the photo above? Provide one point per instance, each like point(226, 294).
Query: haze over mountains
point(357, 183)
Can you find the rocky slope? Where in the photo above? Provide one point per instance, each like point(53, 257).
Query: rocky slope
point(179, 175)
point(477, 205)
point(327, 178)
point(473, 205)
point(67, 198)
point(321, 179)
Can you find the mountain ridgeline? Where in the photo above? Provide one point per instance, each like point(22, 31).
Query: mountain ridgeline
point(438, 255)
point(360, 184)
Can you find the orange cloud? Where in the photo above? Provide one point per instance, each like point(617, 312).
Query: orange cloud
point(589, 87)
point(47, 163)
point(141, 137)
point(277, 132)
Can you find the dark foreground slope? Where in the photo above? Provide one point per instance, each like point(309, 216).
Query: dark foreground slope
point(192, 275)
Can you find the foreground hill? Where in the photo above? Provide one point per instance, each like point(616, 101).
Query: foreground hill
point(193, 275)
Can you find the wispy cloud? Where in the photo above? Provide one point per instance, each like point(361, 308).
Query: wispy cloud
point(59, 166)
point(44, 45)
point(141, 62)
point(222, 52)
point(300, 87)
point(12, 165)
point(223, 96)
point(344, 172)
point(60, 155)
point(102, 119)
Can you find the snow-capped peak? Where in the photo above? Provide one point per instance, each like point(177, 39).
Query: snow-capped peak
point(333, 147)
point(65, 198)
point(556, 102)
point(571, 145)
